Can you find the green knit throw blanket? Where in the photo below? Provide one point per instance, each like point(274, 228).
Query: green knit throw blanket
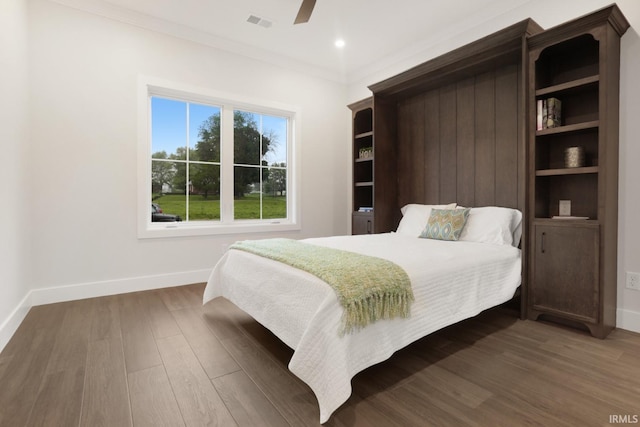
point(369, 288)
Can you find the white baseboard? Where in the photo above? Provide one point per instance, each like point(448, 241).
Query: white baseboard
point(94, 289)
point(10, 326)
point(629, 320)
point(113, 287)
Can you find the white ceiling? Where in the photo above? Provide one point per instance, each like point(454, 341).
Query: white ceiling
point(372, 29)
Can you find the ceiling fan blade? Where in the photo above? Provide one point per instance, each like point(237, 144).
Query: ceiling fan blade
point(305, 11)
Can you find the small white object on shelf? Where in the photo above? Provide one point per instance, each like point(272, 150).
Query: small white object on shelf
point(565, 208)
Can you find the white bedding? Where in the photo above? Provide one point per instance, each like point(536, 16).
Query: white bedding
point(451, 281)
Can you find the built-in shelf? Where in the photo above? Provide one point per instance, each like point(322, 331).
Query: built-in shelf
point(572, 264)
point(567, 171)
point(569, 128)
point(363, 165)
point(557, 89)
point(572, 221)
point(363, 135)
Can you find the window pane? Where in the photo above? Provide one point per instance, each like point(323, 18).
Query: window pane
point(171, 198)
point(246, 181)
point(274, 193)
point(246, 192)
point(168, 128)
point(204, 192)
point(258, 198)
point(168, 178)
point(274, 136)
point(162, 174)
point(247, 140)
point(204, 133)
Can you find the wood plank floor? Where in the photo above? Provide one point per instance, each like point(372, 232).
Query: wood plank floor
point(160, 358)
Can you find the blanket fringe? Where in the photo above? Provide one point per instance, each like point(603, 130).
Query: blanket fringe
point(359, 313)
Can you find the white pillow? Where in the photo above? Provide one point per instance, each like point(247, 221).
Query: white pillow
point(492, 224)
point(415, 218)
point(516, 226)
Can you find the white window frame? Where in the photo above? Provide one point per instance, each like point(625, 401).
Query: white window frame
point(151, 86)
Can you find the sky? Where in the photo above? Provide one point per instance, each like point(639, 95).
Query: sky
point(169, 126)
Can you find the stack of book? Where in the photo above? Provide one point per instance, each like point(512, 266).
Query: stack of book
point(365, 153)
point(548, 113)
point(365, 209)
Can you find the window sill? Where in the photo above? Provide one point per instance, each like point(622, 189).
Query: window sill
point(176, 229)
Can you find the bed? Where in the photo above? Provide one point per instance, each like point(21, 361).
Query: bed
point(450, 280)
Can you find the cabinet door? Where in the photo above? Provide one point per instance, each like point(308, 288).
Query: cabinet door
point(362, 223)
point(566, 270)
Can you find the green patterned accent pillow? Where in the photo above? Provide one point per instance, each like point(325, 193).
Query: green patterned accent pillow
point(445, 224)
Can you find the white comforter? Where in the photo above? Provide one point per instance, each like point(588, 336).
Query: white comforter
point(451, 281)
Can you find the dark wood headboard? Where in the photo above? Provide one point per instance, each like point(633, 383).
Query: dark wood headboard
point(453, 129)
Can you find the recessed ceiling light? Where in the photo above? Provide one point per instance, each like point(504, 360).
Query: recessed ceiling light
point(339, 43)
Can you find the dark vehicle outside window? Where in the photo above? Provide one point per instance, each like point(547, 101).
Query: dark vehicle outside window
point(158, 216)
